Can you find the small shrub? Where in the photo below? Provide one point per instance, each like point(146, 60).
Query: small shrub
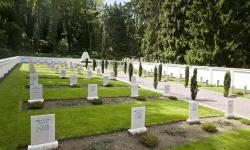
point(239, 93)
point(106, 64)
point(209, 127)
point(102, 66)
point(141, 98)
point(94, 64)
point(149, 140)
point(125, 67)
point(115, 65)
point(36, 105)
point(155, 78)
point(140, 70)
point(227, 82)
point(130, 71)
point(186, 76)
point(86, 62)
point(175, 132)
point(245, 121)
point(172, 97)
point(96, 102)
point(109, 85)
point(194, 88)
point(160, 72)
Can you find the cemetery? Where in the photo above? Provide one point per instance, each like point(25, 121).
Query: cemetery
point(124, 75)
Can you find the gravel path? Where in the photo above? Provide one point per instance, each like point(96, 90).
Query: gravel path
point(207, 98)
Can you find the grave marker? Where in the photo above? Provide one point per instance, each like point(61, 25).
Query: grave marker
point(230, 108)
point(134, 90)
point(137, 120)
point(73, 80)
point(33, 79)
point(166, 90)
point(193, 112)
point(105, 80)
point(63, 73)
point(133, 80)
point(92, 92)
point(43, 132)
point(89, 74)
point(36, 94)
point(218, 83)
point(245, 89)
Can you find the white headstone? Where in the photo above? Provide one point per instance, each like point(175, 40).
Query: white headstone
point(134, 90)
point(171, 75)
point(105, 80)
point(57, 69)
point(89, 74)
point(112, 75)
point(36, 94)
point(137, 120)
point(245, 89)
point(92, 92)
point(33, 79)
point(79, 70)
point(88, 68)
point(98, 70)
point(71, 66)
point(43, 132)
point(133, 80)
point(232, 89)
point(166, 90)
point(63, 73)
point(193, 112)
point(230, 108)
point(73, 80)
point(218, 83)
point(201, 80)
point(206, 84)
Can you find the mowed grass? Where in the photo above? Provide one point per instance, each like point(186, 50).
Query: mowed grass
point(234, 140)
point(76, 121)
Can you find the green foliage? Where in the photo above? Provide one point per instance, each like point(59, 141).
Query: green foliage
point(130, 71)
point(106, 64)
point(194, 87)
point(141, 98)
point(172, 97)
point(155, 78)
point(94, 64)
point(96, 102)
point(86, 62)
point(209, 127)
point(140, 70)
point(125, 67)
point(245, 121)
point(160, 72)
point(186, 76)
point(36, 105)
point(102, 66)
point(109, 85)
point(227, 83)
point(149, 140)
point(115, 66)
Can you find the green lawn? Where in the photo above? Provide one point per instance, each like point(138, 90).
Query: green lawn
point(234, 140)
point(76, 121)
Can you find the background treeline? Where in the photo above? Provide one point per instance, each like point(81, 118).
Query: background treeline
point(202, 32)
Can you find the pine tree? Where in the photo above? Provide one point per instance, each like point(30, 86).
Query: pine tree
point(130, 69)
point(102, 66)
point(160, 72)
point(115, 65)
point(125, 67)
point(106, 64)
point(227, 83)
point(186, 76)
point(140, 70)
point(94, 64)
point(194, 87)
point(155, 78)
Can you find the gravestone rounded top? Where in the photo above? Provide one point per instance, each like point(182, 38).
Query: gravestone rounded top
point(85, 55)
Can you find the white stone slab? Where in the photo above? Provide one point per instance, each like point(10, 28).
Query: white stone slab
point(89, 74)
point(206, 83)
point(166, 90)
point(105, 80)
point(79, 70)
point(73, 80)
point(230, 109)
point(98, 70)
point(133, 80)
point(92, 92)
point(245, 89)
point(137, 120)
point(63, 74)
point(193, 112)
point(43, 132)
point(33, 79)
point(112, 75)
point(134, 90)
point(36, 94)
point(218, 83)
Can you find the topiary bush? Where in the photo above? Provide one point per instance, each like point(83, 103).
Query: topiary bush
point(194, 87)
point(160, 72)
point(209, 127)
point(172, 97)
point(149, 140)
point(106, 64)
point(115, 65)
point(140, 70)
point(96, 102)
point(125, 67)
point(227, 83)
point(102, 66)
point(155, 78)
point(94, 64)
point(36, 105)
point(86, 62)
point(130, 71)
point(186, 76)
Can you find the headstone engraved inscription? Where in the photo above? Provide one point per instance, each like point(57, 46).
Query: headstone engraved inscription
point(134, 90)
point(63, 74)
point(193, 112)
point(33, 79)
point(137, 120)
point(92, 92)
point(36, 94)
point(73, 80)
point(43, 132)
point(105, 80)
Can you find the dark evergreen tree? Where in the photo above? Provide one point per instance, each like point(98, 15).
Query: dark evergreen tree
point(140, 70)
point(130, 71)
point(160, 72)
point(102, 66)
point(115, 66)
point(125, 67)
point(227, 83)
point(194, 87)
point(186, 76)
point(155, 78)
point(94, 64)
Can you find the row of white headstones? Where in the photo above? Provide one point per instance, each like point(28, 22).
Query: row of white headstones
point(43, 126)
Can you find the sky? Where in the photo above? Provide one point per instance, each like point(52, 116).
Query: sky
point(113, 1)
